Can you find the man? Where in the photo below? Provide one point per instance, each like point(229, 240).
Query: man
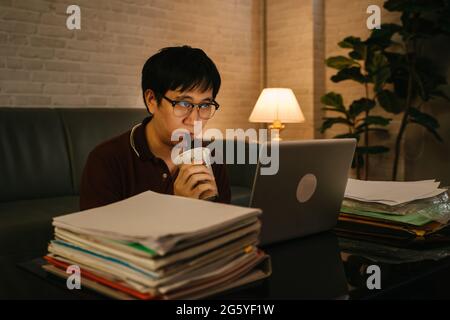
point(179, 86)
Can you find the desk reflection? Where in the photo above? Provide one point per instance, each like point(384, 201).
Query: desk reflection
point(304, 268)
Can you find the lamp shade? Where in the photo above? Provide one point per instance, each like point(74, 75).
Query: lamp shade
point(277, 104)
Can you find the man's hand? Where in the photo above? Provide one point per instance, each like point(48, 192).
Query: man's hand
point(195, 181)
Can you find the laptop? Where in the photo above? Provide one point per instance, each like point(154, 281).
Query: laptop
point(305, 195)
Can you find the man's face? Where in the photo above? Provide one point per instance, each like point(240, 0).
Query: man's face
point(166, 121)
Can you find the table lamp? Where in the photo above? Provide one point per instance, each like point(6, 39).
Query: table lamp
point(275, 106)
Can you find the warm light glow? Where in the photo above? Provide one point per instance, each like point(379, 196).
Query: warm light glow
point(277, 104)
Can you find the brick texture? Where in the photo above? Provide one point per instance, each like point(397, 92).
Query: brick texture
point(42, 63)
point(290, 57)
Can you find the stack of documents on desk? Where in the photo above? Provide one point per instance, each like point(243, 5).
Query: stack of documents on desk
point(417, 211)
point(391, 193)
point(156, 246)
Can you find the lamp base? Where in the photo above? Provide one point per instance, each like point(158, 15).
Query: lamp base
point(276, 127)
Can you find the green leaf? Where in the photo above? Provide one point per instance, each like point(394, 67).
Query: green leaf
point(329, 122)
point(381, 130)
point(343, 111)
point(378, 68)
point(356, 55)
point(350, 42)
point(399, 79)
point(423, 118)
point(430, 129)
point(347, 135)
point(333, 99)
point(427, 78)
point(380, 78)
point(372, 149)
point(396, 5)
point(399, 72)
point(361, 105)
point(359, 51)
point(340, 62)
point(396, 59)
point(382, 37)
point(353, 73)
point(378, 60)
point(390, 102)
point(373, 120)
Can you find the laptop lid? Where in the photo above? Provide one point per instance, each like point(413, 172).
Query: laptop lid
point(305, 194)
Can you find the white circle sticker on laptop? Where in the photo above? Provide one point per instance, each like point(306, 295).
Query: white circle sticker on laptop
point(306, 187)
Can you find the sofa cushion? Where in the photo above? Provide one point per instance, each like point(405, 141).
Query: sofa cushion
point(86, 128)
point(33, 155)
point(26, 225)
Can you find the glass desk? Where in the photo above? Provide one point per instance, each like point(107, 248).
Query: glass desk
point(322, 266)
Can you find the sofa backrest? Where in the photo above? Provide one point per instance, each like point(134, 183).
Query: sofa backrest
point(86, 128)
point(34, 161)
point(43, 150)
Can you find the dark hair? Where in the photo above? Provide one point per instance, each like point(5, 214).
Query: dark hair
point(183, 68)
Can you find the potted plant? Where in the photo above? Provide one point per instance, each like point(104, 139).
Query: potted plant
point(367, 65)
point(416, 79)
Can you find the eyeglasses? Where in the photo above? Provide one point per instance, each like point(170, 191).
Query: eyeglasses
point(206, 110)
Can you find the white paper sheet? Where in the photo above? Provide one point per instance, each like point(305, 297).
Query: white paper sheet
point(391, 192)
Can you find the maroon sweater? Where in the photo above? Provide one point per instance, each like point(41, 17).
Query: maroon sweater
point(114, 171)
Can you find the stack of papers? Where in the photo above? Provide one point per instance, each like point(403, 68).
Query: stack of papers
point(402, 202)
point(156, 246)
point(391, 193)
point(395, 210)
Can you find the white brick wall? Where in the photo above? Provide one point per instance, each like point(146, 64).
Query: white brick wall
point(42, 63)
point(290, 57)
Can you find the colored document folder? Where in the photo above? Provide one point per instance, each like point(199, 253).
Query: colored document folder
point(412, 219)
point(253, 267)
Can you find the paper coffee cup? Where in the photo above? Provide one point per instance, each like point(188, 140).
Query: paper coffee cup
point(198, 155)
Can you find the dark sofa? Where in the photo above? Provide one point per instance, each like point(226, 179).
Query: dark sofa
point(42, 156)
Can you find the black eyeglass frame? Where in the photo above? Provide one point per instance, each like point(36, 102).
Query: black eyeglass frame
point(175, 102)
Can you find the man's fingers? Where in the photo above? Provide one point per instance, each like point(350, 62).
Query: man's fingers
point(194, 179)
point(198, 190)
point(182, 172)
point(188, 170)
point(207, 194)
